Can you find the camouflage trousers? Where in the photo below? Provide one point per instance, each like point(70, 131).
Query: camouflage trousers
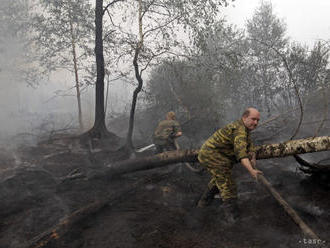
point(221, 175)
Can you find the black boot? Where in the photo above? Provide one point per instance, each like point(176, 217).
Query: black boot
point(231, 210)
point(207, 197)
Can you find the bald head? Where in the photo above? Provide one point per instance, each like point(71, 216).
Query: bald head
point(251, 117)
point(170, 115)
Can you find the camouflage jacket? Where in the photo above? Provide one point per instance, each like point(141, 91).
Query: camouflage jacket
point(229, 144)
point(165, 132)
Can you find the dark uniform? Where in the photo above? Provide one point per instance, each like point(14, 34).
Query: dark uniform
point(221, 151)
point(164, 134)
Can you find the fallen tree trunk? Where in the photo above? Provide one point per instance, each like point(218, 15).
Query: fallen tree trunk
point(293, 147)
point(267, 151)
point(187, 164)
point(288, 148)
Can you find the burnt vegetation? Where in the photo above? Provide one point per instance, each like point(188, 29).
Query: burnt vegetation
point(66, 183)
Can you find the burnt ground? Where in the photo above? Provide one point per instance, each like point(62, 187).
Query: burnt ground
point(155, 208)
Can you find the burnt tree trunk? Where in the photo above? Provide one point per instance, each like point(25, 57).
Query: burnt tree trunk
point(129, 142)
point(99, 123)
point(99, 129)
point(52, 237)
point(263, 152)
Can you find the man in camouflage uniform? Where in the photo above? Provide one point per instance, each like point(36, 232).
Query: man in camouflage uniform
point(227, 146)
point(165, 133)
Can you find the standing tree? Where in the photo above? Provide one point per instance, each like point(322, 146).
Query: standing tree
point(210, 74)
point(309, 68)
point(266, 34)
point(63, 36)
point(138, 75)
point(99, 129)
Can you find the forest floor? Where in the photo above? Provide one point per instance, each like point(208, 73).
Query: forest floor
point(149, 209)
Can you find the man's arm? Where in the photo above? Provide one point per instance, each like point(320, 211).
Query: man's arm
point(253, 159)
point(177, 132)
point(247, 164)
point(252, 152)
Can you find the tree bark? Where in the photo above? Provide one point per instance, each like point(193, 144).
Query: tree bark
point(288, 148)
point(129, 142)
point(292, 147)
point(99, 127)
point(75, 66)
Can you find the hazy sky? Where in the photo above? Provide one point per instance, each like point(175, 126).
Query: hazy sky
point(307, 21)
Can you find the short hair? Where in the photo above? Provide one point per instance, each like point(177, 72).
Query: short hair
point(246, 112)
point(170, 115)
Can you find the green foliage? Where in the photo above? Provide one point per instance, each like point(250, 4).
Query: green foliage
point(166, 25)
point(309, 68)
point(15, 44)
point(14, 17)
point(54, 36)
point(206, 83)
point(182, 87)
point(227, 71)
point(201, 86)
point(266, 35)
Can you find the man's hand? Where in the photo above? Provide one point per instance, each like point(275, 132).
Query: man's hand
point(248, 165)
point(254, 173)
point(253, 163)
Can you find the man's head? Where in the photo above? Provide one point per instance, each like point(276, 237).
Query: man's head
point(251, 117)
point(170, 115)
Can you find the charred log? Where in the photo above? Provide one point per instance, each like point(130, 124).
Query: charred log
point(55, 234)
point(150, 162)
point(288, 148)
point(310, 168)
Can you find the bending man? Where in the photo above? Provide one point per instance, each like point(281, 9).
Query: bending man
point(227, 146)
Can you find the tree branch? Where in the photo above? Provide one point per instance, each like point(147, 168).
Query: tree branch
point(109, 4)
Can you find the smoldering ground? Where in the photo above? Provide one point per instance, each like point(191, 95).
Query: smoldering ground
point(41, 188)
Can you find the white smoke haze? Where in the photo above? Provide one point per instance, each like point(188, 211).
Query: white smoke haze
point(51, 104)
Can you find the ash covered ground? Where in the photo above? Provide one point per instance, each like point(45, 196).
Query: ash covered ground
point(154, 208)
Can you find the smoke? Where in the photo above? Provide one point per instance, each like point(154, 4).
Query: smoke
point(28, 112)
point(24, 109)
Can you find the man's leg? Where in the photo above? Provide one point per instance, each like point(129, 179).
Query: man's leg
point(208, 195)
point(170, 147)
point(223, 180)
point(206, 160)
point(159, 149)
point(212, 189)
point(227, 186)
